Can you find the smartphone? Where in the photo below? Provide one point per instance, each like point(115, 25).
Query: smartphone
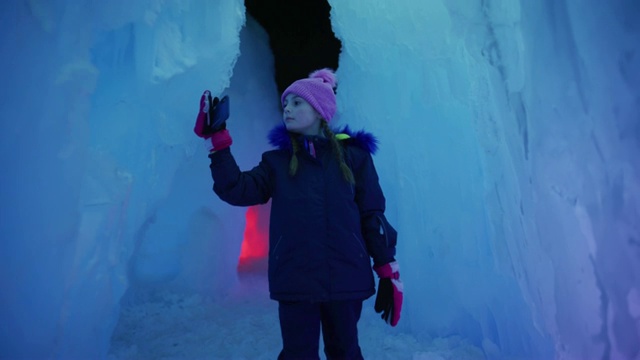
point(220, 113)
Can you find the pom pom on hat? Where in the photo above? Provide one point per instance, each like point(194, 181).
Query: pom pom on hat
point(327, 75)
point(317, 90)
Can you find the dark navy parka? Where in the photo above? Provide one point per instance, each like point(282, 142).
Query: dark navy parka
point(323, 229)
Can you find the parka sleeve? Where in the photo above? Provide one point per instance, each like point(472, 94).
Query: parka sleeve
point(240, 188)
point(380, 237)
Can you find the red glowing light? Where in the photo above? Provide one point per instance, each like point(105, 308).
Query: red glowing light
point(255, 245)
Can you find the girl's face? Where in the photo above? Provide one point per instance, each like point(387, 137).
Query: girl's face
point(299, 116)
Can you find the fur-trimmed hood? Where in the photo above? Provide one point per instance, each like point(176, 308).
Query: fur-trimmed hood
point(279, 137)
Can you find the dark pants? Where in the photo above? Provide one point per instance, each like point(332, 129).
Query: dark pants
point(300, 324)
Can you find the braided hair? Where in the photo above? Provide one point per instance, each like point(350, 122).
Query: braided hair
point(336, 148)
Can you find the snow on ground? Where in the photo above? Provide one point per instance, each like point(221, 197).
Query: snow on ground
point(244, 325)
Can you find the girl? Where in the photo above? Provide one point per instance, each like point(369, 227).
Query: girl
point(327, 218)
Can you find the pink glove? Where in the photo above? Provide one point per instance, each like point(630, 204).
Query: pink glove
point(220, 140)
point(389, 297)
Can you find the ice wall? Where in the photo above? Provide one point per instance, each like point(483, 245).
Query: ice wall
point(509, 152)
point(97, 115)
point(509, 139)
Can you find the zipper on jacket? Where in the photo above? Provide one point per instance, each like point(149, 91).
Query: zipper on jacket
point(275, 248)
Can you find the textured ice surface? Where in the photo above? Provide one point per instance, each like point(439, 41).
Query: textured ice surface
point(509, 152)
point(509, 157)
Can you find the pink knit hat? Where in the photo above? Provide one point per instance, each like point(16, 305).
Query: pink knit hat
point(317, 90)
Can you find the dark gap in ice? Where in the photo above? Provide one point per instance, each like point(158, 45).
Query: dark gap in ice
point(300, 36)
